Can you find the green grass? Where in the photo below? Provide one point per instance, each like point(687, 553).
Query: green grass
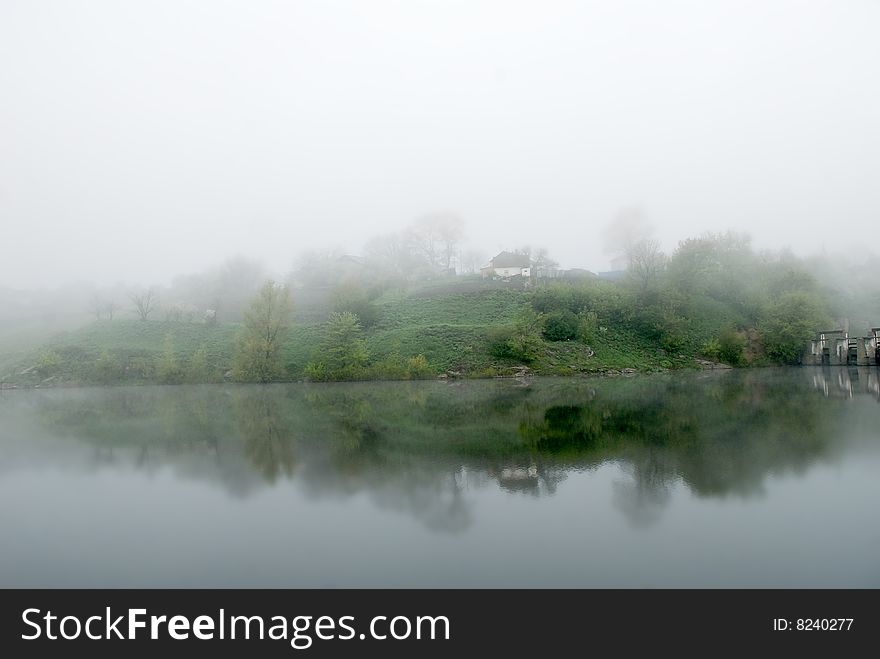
point(474, 309)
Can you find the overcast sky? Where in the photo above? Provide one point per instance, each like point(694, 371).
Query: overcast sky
point(143, 139)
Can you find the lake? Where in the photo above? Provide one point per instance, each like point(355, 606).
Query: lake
point(760, 478)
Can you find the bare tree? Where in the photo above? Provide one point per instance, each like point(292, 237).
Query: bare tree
point(102, 308)
point(645, 263)
point(144, 302)
point(542, 263)
point(472, 260)
point(435, 237)
point(392, 254)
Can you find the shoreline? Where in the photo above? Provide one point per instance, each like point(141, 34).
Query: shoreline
point(702, 365)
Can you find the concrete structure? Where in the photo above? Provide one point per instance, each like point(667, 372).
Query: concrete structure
point(838, 348)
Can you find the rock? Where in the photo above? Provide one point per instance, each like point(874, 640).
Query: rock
point(706, 364)
point(629, 371)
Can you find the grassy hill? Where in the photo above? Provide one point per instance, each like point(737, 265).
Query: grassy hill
point(449, 323)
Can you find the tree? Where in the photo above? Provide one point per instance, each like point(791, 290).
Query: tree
point(472, 260)
point(102, 308)
point(342, 354)
point(264, 330)
point(436, 238)
point(788, 325)
point(315, 268)
point(144, 302)
point(392, 255)
point(542, 263)
point(645, 263)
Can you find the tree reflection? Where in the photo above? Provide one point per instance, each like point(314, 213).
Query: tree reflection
point(420, 447)
point(268, 440)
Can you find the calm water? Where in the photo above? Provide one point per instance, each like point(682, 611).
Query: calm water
point(735, 479)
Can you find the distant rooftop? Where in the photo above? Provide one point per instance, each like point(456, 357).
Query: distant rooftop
point(510, 260)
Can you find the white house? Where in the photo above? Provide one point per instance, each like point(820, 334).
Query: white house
point(508, 264)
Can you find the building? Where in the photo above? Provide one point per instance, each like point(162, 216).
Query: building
point(618, 269)
point(506, 265)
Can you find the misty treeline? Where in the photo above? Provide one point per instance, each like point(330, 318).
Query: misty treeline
point(714, 296)
point(323, 281)
point(430, 247)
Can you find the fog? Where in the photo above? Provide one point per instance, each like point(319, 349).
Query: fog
point(143, 140)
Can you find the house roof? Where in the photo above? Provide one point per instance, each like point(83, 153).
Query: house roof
point(510, 260)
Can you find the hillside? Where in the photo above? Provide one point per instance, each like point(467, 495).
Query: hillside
point(450, 324)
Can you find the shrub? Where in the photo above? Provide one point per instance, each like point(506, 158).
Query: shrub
point(108, 368)
point(417, 367)
point(168, 367)
point(512, 342)
point(142, 367)
point(498, 341)
point(730, 347)
point(588, 325)
point(561, 326)
point(48, 363)
point(197, 370)
point(711, 349)
point(316, 371)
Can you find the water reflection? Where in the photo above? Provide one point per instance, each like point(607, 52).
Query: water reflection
point(419, 448)
point(846, 382)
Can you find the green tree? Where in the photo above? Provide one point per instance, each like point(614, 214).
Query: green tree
point(342, 354)
point(168, 367)
point(264, 330)
point(788, 325)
